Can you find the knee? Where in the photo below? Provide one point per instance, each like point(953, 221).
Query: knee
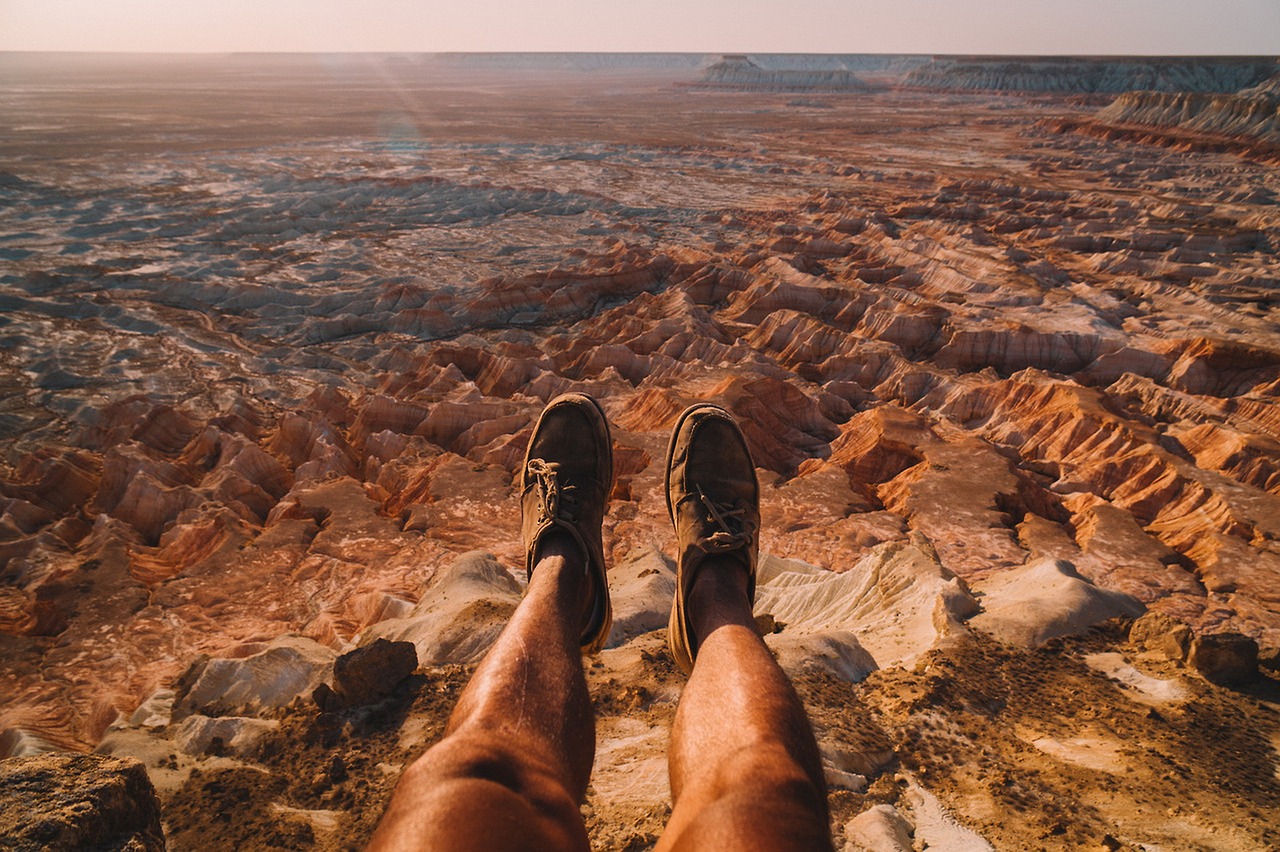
point(770, 773)
point(476, 763)
point(754, 829)
point(757, 812)
point(455, 759)
point(463, 795)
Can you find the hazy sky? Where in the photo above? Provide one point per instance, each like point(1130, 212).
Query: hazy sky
point(811, 26)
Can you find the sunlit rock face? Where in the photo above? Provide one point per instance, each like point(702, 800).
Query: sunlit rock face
point(267, 379)
point(1253, 113)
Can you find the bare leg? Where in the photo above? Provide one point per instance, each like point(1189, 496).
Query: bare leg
point(516, 755)
point(745, 770)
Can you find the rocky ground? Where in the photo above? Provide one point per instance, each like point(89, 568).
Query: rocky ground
point(273, 340)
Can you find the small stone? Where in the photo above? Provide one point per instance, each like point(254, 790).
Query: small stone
point(766, 624)
point(326, 699)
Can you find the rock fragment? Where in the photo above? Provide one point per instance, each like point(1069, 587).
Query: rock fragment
point(1043, 600)
point(1161, 634)
point(61, 801)
point(880, 828)
point(288, 667)
point(238, 735)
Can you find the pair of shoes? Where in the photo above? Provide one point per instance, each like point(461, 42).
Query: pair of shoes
point(712, 498)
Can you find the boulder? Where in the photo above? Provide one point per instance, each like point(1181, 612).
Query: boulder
point(370, 673)
point(61, 801)
point(1161, 634)
point(1229, 659)
point(238, 735)
point(463, 609)
point(834, 652)
point(880, 829)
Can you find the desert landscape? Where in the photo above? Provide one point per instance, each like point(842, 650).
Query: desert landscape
point(1004, 336)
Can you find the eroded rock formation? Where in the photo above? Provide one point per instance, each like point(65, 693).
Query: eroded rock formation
point(265, 401)
point(1079, 74)
point(1251, 113)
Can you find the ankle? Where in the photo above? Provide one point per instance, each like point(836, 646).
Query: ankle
point(719, 596)
point(561, 564)
point(557, 542)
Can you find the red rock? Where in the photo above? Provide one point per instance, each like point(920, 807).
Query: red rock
point(165, 430)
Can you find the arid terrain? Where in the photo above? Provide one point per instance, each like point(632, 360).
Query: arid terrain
point(274, 332)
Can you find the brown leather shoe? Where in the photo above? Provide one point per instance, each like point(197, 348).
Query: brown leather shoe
point(565, 484)
point(714, 500)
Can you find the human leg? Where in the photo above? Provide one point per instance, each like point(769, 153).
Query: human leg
point(517, 751)
point(745, 770)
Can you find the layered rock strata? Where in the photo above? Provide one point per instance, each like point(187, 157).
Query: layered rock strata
point(1251, 113)
point(1089, 75)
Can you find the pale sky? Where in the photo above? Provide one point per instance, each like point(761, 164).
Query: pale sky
point(758, 26)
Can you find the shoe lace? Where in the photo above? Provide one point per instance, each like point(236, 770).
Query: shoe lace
point(556, 499)
point(736, 529)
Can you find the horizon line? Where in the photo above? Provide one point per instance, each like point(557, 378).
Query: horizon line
point(288, 52)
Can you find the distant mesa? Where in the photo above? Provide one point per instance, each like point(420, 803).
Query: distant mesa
point(1083, 75)
point(1245, 122)
point(1252, 113)
point(742, 72)
point(1066, 75)
point(780, 71)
